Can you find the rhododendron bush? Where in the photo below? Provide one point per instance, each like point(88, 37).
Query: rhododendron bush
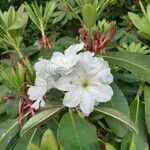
point(83, 84)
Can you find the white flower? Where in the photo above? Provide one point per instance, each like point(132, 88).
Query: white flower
point(37, 92)
point(87, 84)
point(42, 71)
point(64, 63)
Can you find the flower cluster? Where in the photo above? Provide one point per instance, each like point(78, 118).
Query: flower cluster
point(84, 78)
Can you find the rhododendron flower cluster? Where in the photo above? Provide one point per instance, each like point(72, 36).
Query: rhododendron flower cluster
point(84, 78)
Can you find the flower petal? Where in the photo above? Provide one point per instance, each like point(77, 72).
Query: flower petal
point(87, 103)
point(40, 82)
point(73, 49)
point(42, 103)
point(64, 63)
point(37, 92)
point(41, 67)
point(66, 83)
point(102, 93)
point(36, 104)
point(73, 98)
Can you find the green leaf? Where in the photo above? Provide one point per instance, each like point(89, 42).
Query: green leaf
point(89, 15)
point(20, 10)
point(32, 147)
point(8, 130)
point(11, 16)
point(132, 146)
point(32, 15)
point(138, 64)
point(119, 103)
point(49, 141)
point(39, 119)
point(2, 108)
point(118, 116)
point(146, 147)
point(3, 91)
point(59, 17)
point(33, 136)
point(66, 41)
point(109, 147)
point(129, 78)
point(39, 15)
point(12, 108)
point(12, 143)
point(141, 23)
point(25, 140)
point(56, 94)
point(19, 23)
point(139, 139)
point(75, 133)
point(50, 6)
point(147, 106)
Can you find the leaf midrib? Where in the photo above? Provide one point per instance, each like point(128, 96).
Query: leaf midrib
point(11, 129)
point(126, 61)
point(36, 123)
point(106, 113)
point(74, 129)
point(3, 92)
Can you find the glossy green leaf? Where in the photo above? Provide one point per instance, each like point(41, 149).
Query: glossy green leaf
point(75, 133)
point(147, 106)
point(11, 16)
point(89, 15)
point(109, 147)
point(49, 142)
point(25, 140)
point(132, 146)
point(59, 18)
point(20, 22)
point(50, 6)
point(39, 15)
point(3, 107)
point(140, 22)
point(139, 139)
point(118, 116)
point(40, 118)
point(12, 108)
point(138, 64)
point(12, 143)
point(119, 103)
point(129, 78)
point(32, 147)
point(32, 15)
point(3, 90)
point(8, 130)
point(66, 41)
point(146, 147)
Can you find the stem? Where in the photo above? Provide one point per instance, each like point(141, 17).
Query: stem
point(19, 53)
point(13, 44)
point(32, 136)
point(102, 8)
point(43, 34)
point(140, 90)
point(137, 98)
point(78, 17)
point(102, 142)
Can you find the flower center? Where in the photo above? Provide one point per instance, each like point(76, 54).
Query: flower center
point(85, 83)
